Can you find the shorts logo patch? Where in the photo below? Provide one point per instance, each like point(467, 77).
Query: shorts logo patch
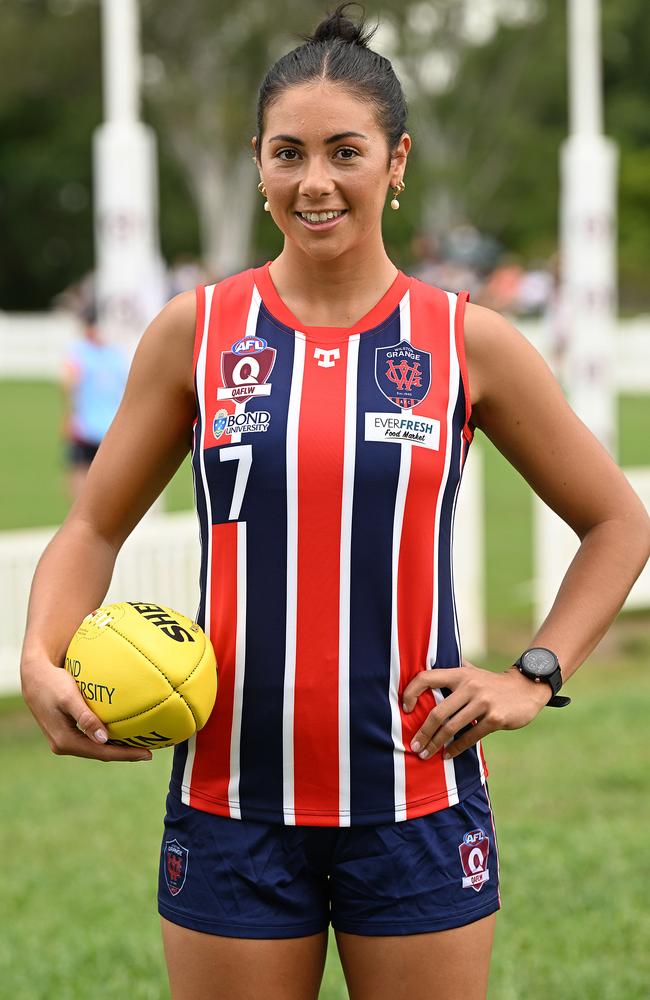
point(246, 375)
point(403, 373)
point(175, 859)
point(474, 852)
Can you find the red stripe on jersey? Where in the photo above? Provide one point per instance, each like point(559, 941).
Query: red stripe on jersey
point(226, 325)
point(429, 309)
point(459, 331)
point(316, 706)
point(228, 315)
point(200, 321)
point(211, 771)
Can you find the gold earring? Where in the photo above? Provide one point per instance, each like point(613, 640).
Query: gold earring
point(397, 190)
point(262, 191)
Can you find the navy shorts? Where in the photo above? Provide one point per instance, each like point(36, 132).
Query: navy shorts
point(243, 878)
point(81, 452)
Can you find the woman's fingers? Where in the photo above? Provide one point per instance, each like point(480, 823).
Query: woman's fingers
point(468, 739)
point(443, 734)
point(426, 680)
point(69, 724)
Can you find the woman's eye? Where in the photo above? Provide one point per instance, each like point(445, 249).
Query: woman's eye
point(280, 153)
point(348, 152)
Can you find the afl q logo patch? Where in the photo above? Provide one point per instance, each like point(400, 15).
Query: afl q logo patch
point(474, 852)
point(246, 375)
point(403, 373)
point(175, 860)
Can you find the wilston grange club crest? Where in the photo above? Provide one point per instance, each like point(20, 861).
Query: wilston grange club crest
point(403, 373)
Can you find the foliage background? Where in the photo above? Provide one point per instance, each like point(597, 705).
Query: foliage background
point(486, 83)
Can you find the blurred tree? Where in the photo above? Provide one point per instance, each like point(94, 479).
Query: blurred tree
point(486, 85)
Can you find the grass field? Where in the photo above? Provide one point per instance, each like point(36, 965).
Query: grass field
point(570, 792)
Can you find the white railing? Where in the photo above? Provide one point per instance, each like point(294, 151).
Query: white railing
point(160, 563)
point(555, 545)
point(32, 346)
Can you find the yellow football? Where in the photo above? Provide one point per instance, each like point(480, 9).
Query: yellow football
point(149, 673)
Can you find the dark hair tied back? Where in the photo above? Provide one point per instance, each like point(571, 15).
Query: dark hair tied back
point(337, 25)
point(338, 52)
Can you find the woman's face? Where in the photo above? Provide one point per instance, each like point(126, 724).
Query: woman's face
point(322, 151)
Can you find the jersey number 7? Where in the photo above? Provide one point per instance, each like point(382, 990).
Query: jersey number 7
point(242, 453)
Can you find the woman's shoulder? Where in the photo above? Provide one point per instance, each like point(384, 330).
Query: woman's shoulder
point(498, 354)
point(167, 345)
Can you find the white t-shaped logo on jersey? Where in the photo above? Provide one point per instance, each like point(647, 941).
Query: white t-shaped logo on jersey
point(325, 358)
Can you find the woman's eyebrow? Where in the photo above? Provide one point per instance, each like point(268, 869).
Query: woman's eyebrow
point(332, 138)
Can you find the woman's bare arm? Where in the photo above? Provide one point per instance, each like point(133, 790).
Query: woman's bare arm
point(518, 404)
point(146, 443)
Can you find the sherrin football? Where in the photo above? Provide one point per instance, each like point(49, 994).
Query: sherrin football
point(147, 672)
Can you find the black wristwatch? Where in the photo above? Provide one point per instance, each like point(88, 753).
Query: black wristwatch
point(542, 665)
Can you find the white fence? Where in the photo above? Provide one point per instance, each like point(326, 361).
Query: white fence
point(160, 562)
point(32, 346)
point(555, 545)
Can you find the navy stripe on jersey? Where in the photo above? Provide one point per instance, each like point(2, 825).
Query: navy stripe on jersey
point(375, 487)
point(265, 511)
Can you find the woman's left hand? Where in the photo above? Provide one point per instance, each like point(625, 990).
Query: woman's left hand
point(483, 700)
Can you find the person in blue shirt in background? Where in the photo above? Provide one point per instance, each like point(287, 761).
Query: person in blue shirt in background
point(93, 379)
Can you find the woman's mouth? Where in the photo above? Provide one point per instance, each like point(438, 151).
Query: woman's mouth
point(321, 220)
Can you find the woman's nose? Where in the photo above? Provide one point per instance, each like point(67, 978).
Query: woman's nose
point(316, 180)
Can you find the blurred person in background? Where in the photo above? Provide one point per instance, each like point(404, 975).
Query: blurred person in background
point(93, 377)
point(329, 401)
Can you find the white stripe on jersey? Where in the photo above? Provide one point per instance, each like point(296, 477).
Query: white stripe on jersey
point(240, 670)
point(251, 330)
point(293, 419)
point(349, 456)
point(399, 754)
point(454, 377)
point(200, 394)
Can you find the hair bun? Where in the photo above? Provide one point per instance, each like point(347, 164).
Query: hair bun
point(337, 26)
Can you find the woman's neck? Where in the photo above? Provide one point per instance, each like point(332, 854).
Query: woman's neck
point(336, 292)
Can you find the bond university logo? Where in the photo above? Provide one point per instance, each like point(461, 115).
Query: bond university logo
point(474, 852)
point(175, 861)
point(403, 373)
point(325, 358)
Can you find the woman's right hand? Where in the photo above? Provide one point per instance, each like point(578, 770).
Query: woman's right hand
point(69, 725)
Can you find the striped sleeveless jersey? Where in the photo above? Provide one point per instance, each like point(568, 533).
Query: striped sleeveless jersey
point(326, 465)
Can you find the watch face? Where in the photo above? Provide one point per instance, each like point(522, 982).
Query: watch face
point(539, 662)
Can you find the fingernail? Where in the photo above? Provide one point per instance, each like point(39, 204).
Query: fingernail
point(101, 736)
point(415, 746)
point(144, 756)
point(446, 756)
point(405, 706)
point(425, 753)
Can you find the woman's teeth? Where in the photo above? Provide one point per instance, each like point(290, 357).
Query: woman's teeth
point(320, 216)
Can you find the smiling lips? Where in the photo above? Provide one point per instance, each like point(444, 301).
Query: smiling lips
point(321, 220)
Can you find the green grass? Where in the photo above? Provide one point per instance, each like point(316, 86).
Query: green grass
point(81, 839)
point(81, 844)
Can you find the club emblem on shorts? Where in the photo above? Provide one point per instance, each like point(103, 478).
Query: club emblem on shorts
point(175, 860)
point(246, 375)
point(474, 852)
point(403, 373)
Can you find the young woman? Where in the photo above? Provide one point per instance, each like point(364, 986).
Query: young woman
point(329, 401)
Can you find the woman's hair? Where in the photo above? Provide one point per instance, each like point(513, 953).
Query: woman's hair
point(338, 52)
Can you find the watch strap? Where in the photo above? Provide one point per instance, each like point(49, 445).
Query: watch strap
point(558, 701)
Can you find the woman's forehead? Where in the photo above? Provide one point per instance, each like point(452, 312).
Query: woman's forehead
point(320, 108)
